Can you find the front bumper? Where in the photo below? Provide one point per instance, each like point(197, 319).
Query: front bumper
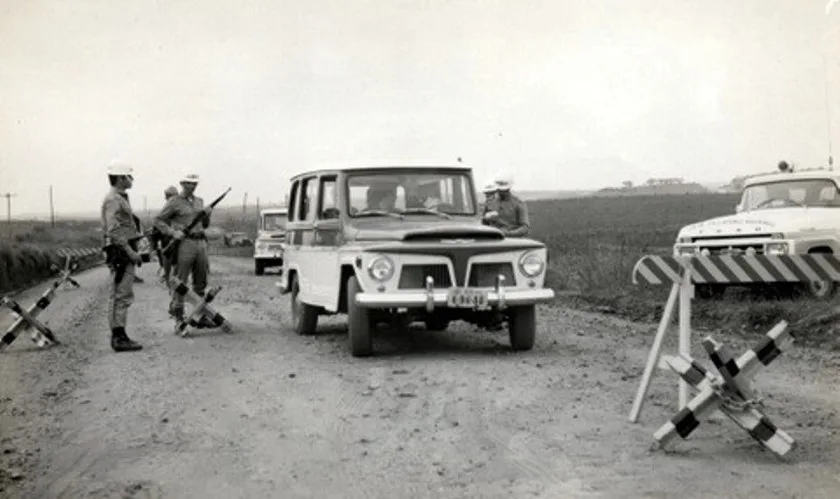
point(431, 299)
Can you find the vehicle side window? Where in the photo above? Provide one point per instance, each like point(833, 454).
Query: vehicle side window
point(327, 202)
point(292, 203)
point(307, 204)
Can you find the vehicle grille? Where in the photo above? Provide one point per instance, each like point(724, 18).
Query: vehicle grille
point(484, 274)
point(734, 249)
point(414, 276)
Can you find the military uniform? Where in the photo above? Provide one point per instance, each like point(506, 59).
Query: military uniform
point(118, 228)
point(178, 212)
point(120, 231)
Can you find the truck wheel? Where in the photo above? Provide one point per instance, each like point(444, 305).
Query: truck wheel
point(358, 322)
point(258, 268)
point(821, 290)
point(436, 323)
point(522, 327)
point(304, 317)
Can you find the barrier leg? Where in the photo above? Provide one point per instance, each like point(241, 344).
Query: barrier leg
point(30, 320)
point(686, 295)
point(653, 357)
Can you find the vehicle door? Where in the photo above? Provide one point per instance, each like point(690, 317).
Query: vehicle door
point(300, 235)
point(326, 242)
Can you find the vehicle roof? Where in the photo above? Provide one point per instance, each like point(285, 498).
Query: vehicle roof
point(348, 166)
point(272, 211)
point(810, 174)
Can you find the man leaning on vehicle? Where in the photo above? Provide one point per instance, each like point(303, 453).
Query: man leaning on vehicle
point(511, 213)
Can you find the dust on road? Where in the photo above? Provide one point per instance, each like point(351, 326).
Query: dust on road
point(266, 413)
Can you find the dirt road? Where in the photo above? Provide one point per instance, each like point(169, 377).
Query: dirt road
point(265, 413)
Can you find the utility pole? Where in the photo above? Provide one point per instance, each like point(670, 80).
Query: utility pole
point(52, 209)
point(9, 196)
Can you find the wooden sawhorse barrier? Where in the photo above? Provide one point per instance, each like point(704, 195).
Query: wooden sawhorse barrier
point(684, 272)
point(27, 318)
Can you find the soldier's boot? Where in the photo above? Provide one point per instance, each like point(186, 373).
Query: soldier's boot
point(120, 341)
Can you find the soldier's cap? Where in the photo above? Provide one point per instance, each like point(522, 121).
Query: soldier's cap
point(189, 178)
point(117, 167)
point(489, 187)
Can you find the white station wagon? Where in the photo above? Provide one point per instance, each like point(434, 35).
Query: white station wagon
point(405, 243)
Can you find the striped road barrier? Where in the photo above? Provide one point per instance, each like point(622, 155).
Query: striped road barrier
point(729, 392)
point(27, 318)
point(201, 308)
point(684, 272)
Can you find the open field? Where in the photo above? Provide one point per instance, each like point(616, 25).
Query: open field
point(594, 243)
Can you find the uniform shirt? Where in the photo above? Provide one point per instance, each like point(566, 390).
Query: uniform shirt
point(178, 212)
point(513, 213)
point(119, 224)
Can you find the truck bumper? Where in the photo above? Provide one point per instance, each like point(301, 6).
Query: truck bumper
point(431, 299)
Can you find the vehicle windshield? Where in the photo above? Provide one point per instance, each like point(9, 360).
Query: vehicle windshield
point(274, 221)
point(410, 193)
point(803, 193)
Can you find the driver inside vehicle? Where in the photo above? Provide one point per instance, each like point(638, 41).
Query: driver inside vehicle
point(382, 197)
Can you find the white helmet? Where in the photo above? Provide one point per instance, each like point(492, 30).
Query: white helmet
point(504, 182)
point(117, 167)
point(190, 177)
point(489, 187)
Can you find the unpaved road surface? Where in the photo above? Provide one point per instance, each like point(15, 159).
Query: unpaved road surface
point(265, 413)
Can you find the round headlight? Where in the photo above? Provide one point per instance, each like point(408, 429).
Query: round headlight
point(381, 268)
point(531, 264)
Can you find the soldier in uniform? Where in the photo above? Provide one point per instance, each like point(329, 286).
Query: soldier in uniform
point(160, 240)
point(120, 232)
point(512, 216)
point(191, 257)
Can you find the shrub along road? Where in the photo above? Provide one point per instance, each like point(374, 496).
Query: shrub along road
point(265, 413)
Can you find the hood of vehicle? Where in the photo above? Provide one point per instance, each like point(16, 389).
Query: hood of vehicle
point(765, 221)
point(421, 230)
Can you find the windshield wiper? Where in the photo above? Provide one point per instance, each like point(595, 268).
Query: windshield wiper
point(424, 211)
point(378, 213)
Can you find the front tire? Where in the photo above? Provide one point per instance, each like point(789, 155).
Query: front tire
point(358, 322)
point(304, 317)
point(821, 290)
point(259, 269)
point(522, 327)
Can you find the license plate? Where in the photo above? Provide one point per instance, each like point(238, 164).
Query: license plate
point(466, 298)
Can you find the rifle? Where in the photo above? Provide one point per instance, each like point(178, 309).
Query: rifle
point(171, 249)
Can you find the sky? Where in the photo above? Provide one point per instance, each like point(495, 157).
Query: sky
point(563, 94)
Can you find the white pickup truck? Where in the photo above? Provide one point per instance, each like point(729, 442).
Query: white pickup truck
point(270, 244)
point(780, 213)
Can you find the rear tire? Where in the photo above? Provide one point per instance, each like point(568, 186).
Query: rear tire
point(358, 322)
point(522, 327)
point(304, 317)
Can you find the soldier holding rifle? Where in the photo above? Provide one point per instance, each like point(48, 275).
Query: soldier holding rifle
point(184, 219)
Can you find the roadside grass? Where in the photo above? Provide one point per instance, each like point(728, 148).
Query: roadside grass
point(593, 259)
